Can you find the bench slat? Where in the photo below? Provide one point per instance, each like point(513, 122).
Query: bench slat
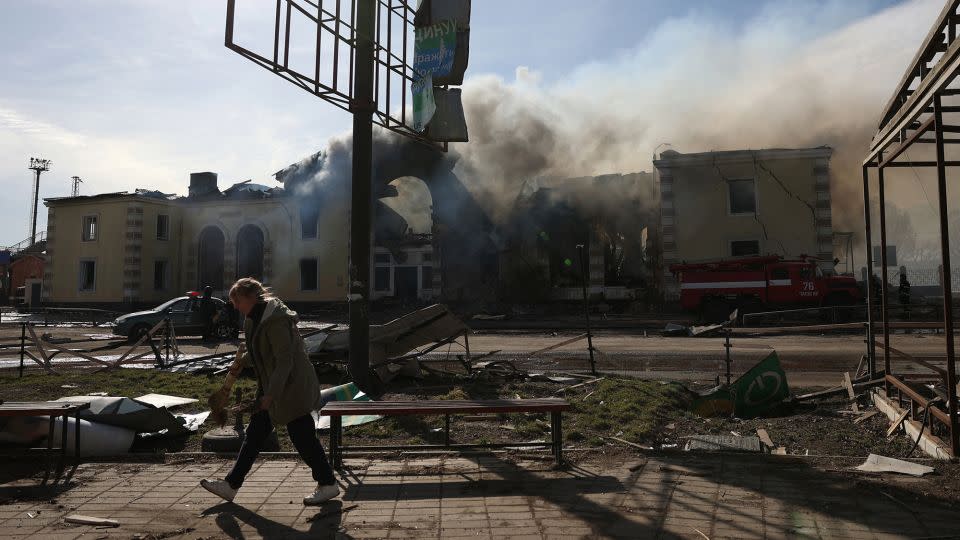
point(340, 408)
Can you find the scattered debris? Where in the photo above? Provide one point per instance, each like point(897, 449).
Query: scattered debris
point(485, 317)
point(676, 330)
point(628, 443)
point(838, 390)
point(866, 416)
point(765, 438)
point(850, 393)
point(897, 422)
point(561, 379)
point(88, 520)
point(875, 463)
point(568, 388)
point(779, 451)
point(723, 442)
point(344, 392)
point(69, 386)
point(161, 400)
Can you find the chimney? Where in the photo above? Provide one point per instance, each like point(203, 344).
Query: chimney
point(203, 183)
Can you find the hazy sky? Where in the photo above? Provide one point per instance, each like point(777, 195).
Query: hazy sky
point(139, 93)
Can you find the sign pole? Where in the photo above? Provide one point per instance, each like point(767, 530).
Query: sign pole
point(360, 229)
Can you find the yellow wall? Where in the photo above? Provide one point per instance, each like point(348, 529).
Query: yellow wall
point(278, 219)
point(705, 228)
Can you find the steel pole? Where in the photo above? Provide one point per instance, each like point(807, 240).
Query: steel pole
point(871, 350)
point(586, 309)
point(883, 271)
point(362, 108)
point(36, 200)
point(947, 285)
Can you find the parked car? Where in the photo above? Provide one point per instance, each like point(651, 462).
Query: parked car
point(185, 315)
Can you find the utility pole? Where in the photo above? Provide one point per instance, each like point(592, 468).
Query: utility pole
point(37, 165)
point(362, 108)
point(75, 192)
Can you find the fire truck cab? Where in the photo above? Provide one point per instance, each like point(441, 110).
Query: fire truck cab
point(717, 288)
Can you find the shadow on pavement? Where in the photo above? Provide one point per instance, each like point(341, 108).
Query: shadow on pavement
point(325, 523)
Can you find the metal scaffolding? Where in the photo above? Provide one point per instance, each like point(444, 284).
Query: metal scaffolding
point(917, 115)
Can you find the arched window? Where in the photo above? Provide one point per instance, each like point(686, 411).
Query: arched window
point(250, 252)
point(210, 254)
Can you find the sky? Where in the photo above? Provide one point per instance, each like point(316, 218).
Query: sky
point(133, 94)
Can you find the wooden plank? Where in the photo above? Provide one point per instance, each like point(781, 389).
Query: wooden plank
point(897, 422)
point(43, 353)
point(80, 354)
point(866, 416)
point(90, 520)
point(850, 393)
point(141, 341)
point(765, 438)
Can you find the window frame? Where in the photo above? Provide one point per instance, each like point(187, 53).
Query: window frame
point(166, 235)
point(743, 240)
point(756, 197)
point(84, 229)
point(316, 274)
point(81, 263)
point(166, 275)
point(316, 224)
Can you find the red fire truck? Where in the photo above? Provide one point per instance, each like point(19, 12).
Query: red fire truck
point(717, 288)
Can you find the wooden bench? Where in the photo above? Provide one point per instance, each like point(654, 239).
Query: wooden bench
point(53, 409)
point(336, 410)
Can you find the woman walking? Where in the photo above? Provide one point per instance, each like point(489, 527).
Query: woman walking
point(287, 390)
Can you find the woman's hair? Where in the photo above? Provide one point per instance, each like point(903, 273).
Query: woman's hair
point(250, 288)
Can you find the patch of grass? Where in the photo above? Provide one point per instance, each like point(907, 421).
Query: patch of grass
point(121, 382)
point(635, 407)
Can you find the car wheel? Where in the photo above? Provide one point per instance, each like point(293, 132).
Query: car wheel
point(137, 332)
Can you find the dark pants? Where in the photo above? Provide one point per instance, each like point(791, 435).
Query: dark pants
point(304, 437)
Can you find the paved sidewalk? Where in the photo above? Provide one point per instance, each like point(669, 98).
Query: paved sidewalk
point(487, 496)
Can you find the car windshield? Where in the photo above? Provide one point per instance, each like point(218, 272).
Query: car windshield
point(170, 304)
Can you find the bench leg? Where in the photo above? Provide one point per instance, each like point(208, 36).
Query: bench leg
point(557, 432)
point(446, 430)
point(49, 457)
point(335, 441)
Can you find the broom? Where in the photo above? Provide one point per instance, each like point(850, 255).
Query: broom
point(219, 399)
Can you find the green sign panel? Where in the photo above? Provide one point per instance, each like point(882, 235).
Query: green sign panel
point(752, 395)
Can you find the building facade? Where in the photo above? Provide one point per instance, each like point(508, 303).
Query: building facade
point(741, 203)
point(146, 247)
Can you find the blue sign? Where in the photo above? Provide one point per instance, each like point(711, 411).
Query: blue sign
point(434, 49)
point(5, 256)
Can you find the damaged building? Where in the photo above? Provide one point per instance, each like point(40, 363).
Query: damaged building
point(742, 203)
point(609, 215)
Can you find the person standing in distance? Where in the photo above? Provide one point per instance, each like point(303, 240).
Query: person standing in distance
point(287, 390)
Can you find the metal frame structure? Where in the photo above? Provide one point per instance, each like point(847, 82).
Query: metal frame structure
point(337, 40)
point(917, 115)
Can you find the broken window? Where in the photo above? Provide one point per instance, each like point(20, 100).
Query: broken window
point(381, 279)
point(88, 275)
point(89, 228)
point(743, 196)
point(308, 274)
point(309, 219)
point(160, 275)
point(744, 248)
point(163, 227)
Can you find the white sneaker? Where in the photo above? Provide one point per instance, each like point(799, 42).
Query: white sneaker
point(322, 494)
point(220, 488)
